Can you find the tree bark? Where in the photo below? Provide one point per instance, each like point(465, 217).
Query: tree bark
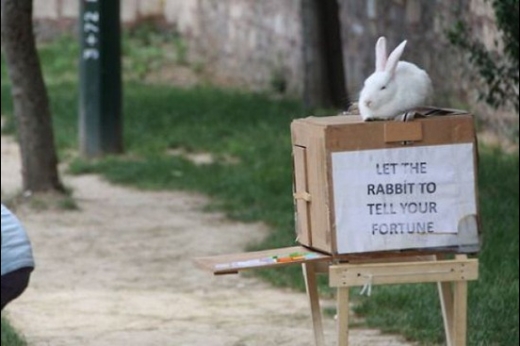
point(333, 52)
point(30, 99)
point(324, 73)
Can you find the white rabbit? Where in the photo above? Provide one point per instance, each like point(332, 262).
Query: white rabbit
point(394, 88)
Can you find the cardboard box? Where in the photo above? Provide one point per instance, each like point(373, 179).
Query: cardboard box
point(365, 187)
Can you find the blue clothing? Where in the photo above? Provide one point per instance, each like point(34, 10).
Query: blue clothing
point(16, 247)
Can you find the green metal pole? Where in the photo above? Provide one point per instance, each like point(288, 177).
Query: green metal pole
point(100, 119)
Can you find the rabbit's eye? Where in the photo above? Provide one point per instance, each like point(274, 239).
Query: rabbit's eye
point(383, 87)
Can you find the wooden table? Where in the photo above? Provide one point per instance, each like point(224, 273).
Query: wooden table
point(450, 274)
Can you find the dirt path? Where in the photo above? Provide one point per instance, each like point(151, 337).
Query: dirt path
point(118, 272)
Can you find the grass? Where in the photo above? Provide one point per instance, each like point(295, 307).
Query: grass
point(253, 129)
point(9, 336)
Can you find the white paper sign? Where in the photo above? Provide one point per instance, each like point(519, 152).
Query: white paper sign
point(401, 198)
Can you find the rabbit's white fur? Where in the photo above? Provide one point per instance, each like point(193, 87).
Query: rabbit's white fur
point(395, 87)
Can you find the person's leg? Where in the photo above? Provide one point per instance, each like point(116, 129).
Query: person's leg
point(13, 284)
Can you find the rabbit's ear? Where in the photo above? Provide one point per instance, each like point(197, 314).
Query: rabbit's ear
point(394, 57)
point(380, 54)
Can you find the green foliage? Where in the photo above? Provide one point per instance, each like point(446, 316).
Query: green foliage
point(9, 335)
point(498, 68)
point(148, 46)
point(59, 60)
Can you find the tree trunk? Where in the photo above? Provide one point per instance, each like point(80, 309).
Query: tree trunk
point(324, 74)
point(30, 99)
point(333, 51)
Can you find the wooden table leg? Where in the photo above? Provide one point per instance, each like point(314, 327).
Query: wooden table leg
point(460, 309)
point(454, 297)
point(309, 274)
point(343, 314)
point(460, 299)
point(446, 298)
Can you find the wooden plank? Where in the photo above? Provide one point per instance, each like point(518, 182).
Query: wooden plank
point(398, 259)
point(234, 263)
point(460, 298)
point(446, 299)
point(309, 274)
point(343, 314)
point(348, 275)
point(393, 254)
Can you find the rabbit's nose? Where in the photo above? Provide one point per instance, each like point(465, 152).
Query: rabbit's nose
point(368, 103)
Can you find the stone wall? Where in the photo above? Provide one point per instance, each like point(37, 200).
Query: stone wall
point(421, 22)
point(247, 42)
point(251, 43)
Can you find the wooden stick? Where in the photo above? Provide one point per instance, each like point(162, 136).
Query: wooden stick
point(343, 312)
point(460, 297)
point(446, 298)
point(309, 274)
point(460, 309)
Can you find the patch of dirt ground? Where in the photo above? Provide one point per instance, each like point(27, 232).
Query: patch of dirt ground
point(119, 272)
